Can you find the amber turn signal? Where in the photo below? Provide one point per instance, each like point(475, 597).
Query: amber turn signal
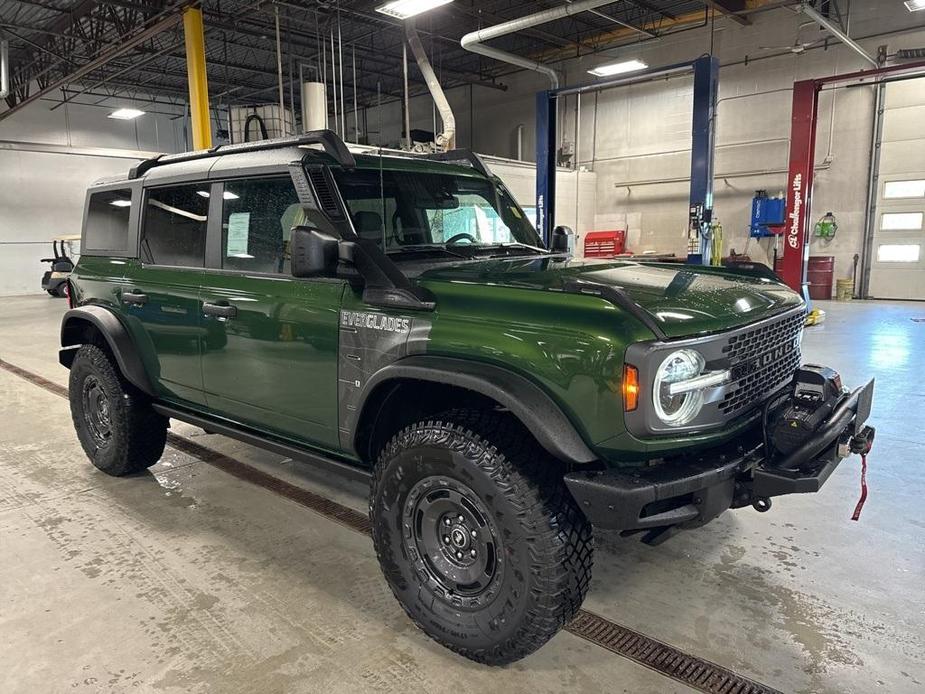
point(630, 387)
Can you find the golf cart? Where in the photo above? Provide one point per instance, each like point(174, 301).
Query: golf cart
point(54, 281)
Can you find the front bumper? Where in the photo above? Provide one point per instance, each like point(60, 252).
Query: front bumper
point(692, 490)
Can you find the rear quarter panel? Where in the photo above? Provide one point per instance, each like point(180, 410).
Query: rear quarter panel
point(98, 280)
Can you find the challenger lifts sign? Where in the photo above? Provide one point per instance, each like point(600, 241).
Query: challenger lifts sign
point(796, 209)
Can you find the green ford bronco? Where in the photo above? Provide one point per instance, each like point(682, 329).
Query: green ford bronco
point(399, 313)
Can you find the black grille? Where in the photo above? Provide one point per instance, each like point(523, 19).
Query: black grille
point(324, 193)
point(761, 360)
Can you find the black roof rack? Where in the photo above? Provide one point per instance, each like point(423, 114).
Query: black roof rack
point(461, 156)
point(328, 139)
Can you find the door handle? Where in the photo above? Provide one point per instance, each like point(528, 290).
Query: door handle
point(134, 298)
point(219, 310)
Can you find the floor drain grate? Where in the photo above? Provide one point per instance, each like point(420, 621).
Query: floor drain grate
point(690, 670)
point(669, 661)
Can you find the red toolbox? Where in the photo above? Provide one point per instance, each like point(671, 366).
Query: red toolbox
point(605, 244)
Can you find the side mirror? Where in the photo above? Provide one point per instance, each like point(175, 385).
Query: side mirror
point(313, 252)
point(563, 240)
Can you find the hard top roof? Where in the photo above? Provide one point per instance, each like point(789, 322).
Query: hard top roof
point(263, 155)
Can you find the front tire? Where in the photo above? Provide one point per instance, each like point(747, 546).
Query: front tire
point(477, 536)
point(115, 424)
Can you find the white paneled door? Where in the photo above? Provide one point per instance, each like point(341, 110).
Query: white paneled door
point(897, 269)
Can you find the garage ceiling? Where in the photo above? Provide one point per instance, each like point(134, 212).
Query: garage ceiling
point(92, 50)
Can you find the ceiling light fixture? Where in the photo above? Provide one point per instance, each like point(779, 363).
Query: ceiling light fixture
point(126, 114)
point(618, 68)
point(403, 9)
point(226, 195)
point(915, 5)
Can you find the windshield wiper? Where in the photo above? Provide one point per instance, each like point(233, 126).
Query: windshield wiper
point(418, 247)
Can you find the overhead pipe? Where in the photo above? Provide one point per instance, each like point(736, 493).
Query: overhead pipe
point(474, 41)
point(838, 33)
point(4, 68)
point(448, 137)
point(407, 102)
point(283, 129)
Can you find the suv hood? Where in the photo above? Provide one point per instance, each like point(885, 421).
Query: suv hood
point(684, 300)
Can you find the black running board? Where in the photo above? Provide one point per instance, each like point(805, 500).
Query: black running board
point(260, 440)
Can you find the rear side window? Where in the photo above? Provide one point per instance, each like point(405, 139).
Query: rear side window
point(257, 216)
point(174, 228)
point(107, 220)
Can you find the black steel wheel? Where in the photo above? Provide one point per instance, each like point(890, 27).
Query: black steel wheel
point(477, 536)
point(115, 424)
point(95, 406)
point(451, 532)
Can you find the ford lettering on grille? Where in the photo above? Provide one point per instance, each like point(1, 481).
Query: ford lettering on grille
point(761, 360)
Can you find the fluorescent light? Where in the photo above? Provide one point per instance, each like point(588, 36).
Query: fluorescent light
point(402, 9)
point(126, 114)
point(619, 68)
point(227, 195)
point(915, 5)
point(121, 203)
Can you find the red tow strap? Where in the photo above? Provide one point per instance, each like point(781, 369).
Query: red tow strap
point(860, 505)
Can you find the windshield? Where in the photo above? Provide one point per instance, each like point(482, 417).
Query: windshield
point(410, 210)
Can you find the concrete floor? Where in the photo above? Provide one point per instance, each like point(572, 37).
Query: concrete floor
point(189, 580)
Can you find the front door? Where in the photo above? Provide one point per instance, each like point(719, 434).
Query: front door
point(160, 292)
point(273, 361)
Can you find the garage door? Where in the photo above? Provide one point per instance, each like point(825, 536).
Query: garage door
point(898, 254)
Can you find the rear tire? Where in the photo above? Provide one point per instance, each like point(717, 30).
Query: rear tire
point(477, 536)
point(118, 429)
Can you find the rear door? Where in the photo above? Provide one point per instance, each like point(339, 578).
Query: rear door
point(270, 360)
point(160, 291)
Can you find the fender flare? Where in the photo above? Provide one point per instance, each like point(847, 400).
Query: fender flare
point(527, 401)
point(117, 337)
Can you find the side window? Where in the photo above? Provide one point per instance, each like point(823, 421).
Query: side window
point(107, 221)
point(174, 227)
point(257, 216)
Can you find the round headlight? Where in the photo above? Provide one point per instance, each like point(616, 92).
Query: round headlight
point(679, 409)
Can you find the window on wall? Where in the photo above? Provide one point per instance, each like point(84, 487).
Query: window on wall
point(107, 220)
point(898, 253)
point(174, 228)
point(901, 221)
point(257, 216)
point(904, 189)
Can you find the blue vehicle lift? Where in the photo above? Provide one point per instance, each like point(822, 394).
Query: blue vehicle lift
point(706, 79)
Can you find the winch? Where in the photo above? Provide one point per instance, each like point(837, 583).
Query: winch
point(816, 392)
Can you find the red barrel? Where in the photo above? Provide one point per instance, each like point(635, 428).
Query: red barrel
point(821, 274)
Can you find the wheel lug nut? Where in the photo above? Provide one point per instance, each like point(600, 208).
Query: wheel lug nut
point(473, 533)
point(446, 521)
point(460, 518)
point(446, 539)
point(472, 553)
point(459, 555)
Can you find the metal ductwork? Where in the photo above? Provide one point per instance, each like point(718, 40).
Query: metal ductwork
point(474, 41)
point(314, 107)
point(4, 68)
point(447, 139)
point(838, 33)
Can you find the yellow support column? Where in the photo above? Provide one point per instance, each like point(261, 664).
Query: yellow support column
point(194, 38)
